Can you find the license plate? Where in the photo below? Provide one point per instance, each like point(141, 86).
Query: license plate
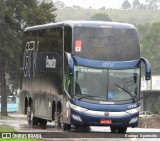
point(102, 121)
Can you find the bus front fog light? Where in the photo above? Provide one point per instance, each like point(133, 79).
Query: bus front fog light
point(135, 119)
point(76, 117)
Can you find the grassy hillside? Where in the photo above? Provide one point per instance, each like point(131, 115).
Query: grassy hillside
point(129, 16)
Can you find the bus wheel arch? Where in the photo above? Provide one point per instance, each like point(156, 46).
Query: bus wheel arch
point(30, 101)
point(53, 110)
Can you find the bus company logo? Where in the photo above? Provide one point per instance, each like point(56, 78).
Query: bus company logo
point(30, 53)
point(106, 102)
point(106, 114)
point(6, 135)
point(50, 63)
point(132, 106)
point(108, 64)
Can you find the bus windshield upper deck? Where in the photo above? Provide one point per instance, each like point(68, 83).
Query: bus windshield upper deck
point(106, 43)
point(106, 84)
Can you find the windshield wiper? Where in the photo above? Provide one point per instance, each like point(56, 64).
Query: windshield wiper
point(126, 92)
point(86, 96)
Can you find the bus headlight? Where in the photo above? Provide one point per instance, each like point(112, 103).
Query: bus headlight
point(135, 119)
point(132, 111)
point(78, 108)
point(76, 117)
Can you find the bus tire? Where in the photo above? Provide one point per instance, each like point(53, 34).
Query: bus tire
point(34, 120)
point(83, 128)
point(43, 122)
point(29, 114)
point(30, 118)
point(114, 129)
point(66, 127)
point(58, 120)
point(122, 129)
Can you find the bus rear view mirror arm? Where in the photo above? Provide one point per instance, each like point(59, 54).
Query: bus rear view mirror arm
point(147, 68)
point(70, 62)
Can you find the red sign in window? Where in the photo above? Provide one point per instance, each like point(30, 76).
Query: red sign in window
point(78, 46)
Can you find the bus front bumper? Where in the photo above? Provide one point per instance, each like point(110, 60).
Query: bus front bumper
point(82, 116)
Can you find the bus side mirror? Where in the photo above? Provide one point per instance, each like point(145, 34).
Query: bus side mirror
point(147, 68)
point(70, 62)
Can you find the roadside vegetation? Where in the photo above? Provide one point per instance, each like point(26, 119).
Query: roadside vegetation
point(5, 128)
point(118, 15)
point(14, 17)
point(151, 122)
point(5, 117)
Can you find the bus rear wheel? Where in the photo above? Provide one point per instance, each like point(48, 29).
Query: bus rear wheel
point(29, 114)
point(43, 122)
point(58, 120)
point(30, 118)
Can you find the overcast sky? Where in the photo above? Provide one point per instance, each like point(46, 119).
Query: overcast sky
point(96, 3)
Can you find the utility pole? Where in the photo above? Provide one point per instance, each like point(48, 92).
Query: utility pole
point(2, 63)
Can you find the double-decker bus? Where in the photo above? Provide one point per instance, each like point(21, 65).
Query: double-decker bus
point(82, 73)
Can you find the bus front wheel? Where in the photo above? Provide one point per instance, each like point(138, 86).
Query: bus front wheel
point(114, 129)
point(66, 127)
point(122, 129)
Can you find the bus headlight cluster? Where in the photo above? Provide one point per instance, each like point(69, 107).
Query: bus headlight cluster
point(135, 119)
point(76, 117)
point(132, 111)
point(78, 108)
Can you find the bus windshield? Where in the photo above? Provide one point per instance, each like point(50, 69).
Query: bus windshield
point(105, 84)
point(111, 44)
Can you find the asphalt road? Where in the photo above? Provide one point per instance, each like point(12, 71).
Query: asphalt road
point(94, 133)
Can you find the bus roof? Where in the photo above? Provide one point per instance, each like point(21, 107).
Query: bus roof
point(81, 24)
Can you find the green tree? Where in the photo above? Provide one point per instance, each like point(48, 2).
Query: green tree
point(102, 8)
point(150, 44)
point(59, 4)
point(153, 4)
point(100, 17)
point(126, 5)
point(136, 4)
point(16, 15)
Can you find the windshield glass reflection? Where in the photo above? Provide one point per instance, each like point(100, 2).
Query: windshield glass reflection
point(103, 84)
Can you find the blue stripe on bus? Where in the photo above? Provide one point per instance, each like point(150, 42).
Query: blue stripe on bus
point(107, 64)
